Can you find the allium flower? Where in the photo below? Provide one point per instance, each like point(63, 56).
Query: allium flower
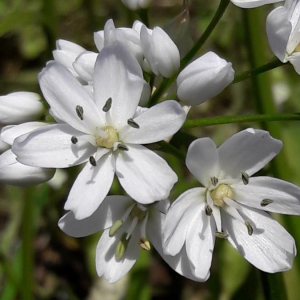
point(252, 3)
point(136, 4)
point(11, 171)
point(232, 205)
point(19, 107)
point(204, 78)
point(129, 227)
point(107, 131)
point(283, 25)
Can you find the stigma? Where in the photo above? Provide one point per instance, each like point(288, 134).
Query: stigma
point(110, 139)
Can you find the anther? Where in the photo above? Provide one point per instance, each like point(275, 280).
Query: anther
point(245, 178)
point(266, 202)
point(133, 124)
point(93, 161)
point(79, 111)
point(249, 227)
point(116, 226)
point(221, 235)
point(122, 147)
point(145, 244)
point(208, 210)
point(74, 140)
point(214, 181)
point(121, 247)
point(107, 105)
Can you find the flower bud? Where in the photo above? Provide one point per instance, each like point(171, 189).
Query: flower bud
point(204, 78)
point(160, 51)
point(136, 4)
point(20, 107)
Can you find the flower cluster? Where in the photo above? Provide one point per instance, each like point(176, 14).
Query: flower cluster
point(99, 102)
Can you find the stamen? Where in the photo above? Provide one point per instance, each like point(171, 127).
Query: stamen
point(208, 210)
point(74, 140)
point(245, 178)
point(132, 227)
point(221, 235)
point(266, 202)
point(93, 161)
point(249, 227)
point(121, 247)
point(107, 105)
point(122, 147)
point(116, 226)
point(145, 244)
point(79, 111)
point(214, 181)
point(133, 124)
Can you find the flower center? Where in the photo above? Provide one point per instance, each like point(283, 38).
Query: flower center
point(221, 192)
point(137, 212)
point(110, 139)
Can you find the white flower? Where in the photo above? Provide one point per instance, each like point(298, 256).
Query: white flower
point(136, 4)
point(129, 227)
point(104, 131)
point(19, 107)
point(283, 30)
point(204, 78)
point(11, 171)
point(252, 3)
point(232, 205)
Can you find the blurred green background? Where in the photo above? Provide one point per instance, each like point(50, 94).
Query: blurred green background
point(62, 268)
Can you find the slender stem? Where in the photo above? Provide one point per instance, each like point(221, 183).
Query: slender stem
point(185, 60)
point(28, 250)
point(265, 68)
point(239, 119)
point(217, 17)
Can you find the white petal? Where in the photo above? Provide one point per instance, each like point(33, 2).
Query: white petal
point(252, 3)
point(64, 93)
point(279, 29)
point(179, 262)
point(91, 187)
point(285, 196)
point(84, 65)
point(202, 160)
point(111, 210)
point(19, 107)
point(118, 76)
point(10, 133)
point(99, 39)
point(294, 59)
point(270, 248)
point(144, 175)
point(156, 124)
point(249, 151)
point(15, 173)
point(51, 147)
point(200, 240)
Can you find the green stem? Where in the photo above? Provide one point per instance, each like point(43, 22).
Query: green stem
point(272, 286)
point(239, 119)
point(185, 60)
point(262, 69)
point(212, 25)
point(167, 148)
point(28, 250)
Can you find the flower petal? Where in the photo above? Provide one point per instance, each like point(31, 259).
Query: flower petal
point(200, 241)
point(64, 93)
point(118, 76)
point(284, 195)
point(157, 123)
point(51, 147)
point(252, 3)
point(178, 209)
point(179, 262)
point(247, 151)
point(15, 173)
point(84, 65)
point(111, 209)
point(91, 187)
point(144, 175)
point(202, 160)
point(270, 248)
